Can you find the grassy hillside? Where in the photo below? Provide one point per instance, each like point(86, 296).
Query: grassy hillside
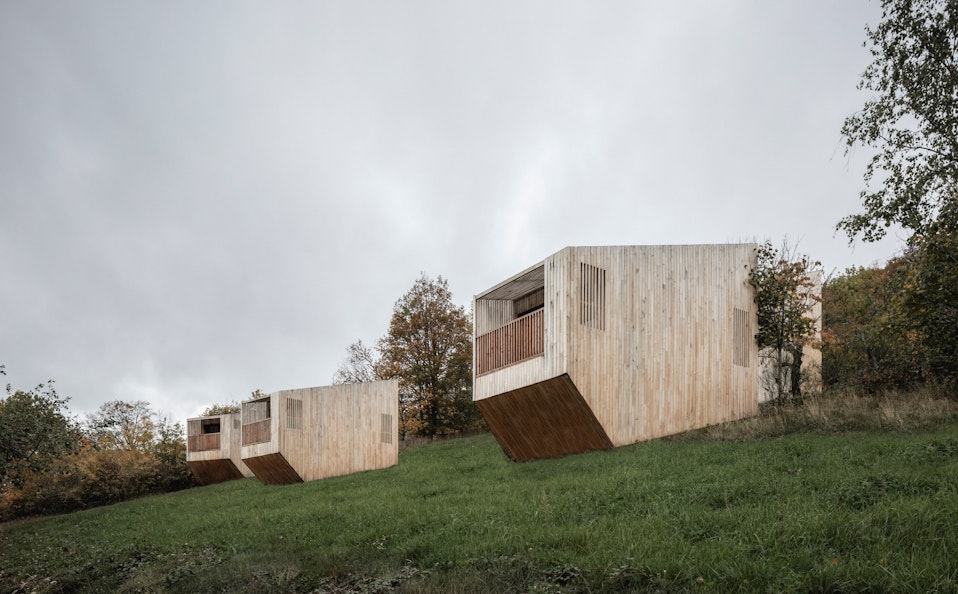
point(856, 511)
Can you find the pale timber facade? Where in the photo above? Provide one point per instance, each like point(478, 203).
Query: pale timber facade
point(313, 433)
point(596, 347)
point(213, 448)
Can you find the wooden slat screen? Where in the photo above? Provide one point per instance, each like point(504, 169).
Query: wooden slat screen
point(530, 302)
point(256, 410)
point(386, 421)
point(592, 296)
point(204, 442)
point(256, 432)
point(517, 341)
point(740, 337)
point(294, 413)
point(194, 427)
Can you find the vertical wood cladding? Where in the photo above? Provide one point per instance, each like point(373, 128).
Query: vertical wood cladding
point(273, 469)
point(207, 472)
point(545, 420)
point(656, 339)
point(324, 431)
point(213, 448)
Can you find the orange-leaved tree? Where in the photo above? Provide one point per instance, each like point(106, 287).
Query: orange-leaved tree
point(428, 348)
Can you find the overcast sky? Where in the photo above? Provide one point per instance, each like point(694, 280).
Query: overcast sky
point(200, 199)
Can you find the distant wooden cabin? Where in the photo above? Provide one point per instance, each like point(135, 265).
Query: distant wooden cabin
point(312, 433)
point(596, 347)
point(213, 448)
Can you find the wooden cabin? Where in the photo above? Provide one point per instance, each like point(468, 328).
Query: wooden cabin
point(313, 433)
point(596, 347)
point(213, 448)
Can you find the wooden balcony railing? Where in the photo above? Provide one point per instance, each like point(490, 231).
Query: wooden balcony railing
point(204, 442)
point(256, 432)
point(520, 339)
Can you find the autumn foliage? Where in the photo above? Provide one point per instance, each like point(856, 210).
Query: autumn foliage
point(428, 348)
point(50, 463)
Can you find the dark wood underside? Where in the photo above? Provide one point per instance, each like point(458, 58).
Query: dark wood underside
point(273, 469)
point(545, 420)
point(208, 472)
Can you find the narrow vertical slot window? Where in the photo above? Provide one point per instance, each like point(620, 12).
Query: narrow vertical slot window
point(592, 296)
point(294, 413)
point(740, 336)
point(386, 428)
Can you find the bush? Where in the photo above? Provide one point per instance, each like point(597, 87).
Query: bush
point(91, 478)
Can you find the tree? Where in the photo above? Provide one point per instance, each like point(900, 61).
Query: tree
point(428, 347)
point(930, 298)
point(868, 339)
point(119, 425)
point(169, 449)
point(34, 432)
point(359, 366)
point(220, 409)
point(785, 296)
point(912, 122)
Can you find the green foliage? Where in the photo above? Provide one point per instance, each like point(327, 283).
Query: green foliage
point(895, 326)
point(850, 512)
point(930, 298)
point(220, 409)
point(34, 433)
point(868, 342)
point(120, 425)
point(169, 451)
point(785, 296)
point(910, 118)
point(62, 475)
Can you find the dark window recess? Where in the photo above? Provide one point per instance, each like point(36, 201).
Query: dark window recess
point(529, 302)
point(211, 426)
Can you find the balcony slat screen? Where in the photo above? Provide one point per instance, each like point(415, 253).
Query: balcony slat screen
point(204, 442)
point(256, 432)
point(520, 339)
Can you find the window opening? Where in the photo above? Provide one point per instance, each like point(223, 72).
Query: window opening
point(592, 296)
point(740, 336)
point(529, 302)
point(386, 428)
point(294, 413)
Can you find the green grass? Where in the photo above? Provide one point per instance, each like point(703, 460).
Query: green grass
point(848, 512)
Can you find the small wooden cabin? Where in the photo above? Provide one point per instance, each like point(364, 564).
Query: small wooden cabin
point(213, 448)
point(596, 347)
point(313, 433)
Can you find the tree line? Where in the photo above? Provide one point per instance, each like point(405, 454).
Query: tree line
point(894, 326)
point(51, 462)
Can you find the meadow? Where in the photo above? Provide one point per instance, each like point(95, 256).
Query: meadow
point(841, 495)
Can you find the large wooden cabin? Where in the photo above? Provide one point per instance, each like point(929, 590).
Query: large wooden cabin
point(213, 448)
point(596, 347)
point(312, 433)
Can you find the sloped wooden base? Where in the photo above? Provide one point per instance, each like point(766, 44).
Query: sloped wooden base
point(273, 469)
point(545, 420)
point(208, 472)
